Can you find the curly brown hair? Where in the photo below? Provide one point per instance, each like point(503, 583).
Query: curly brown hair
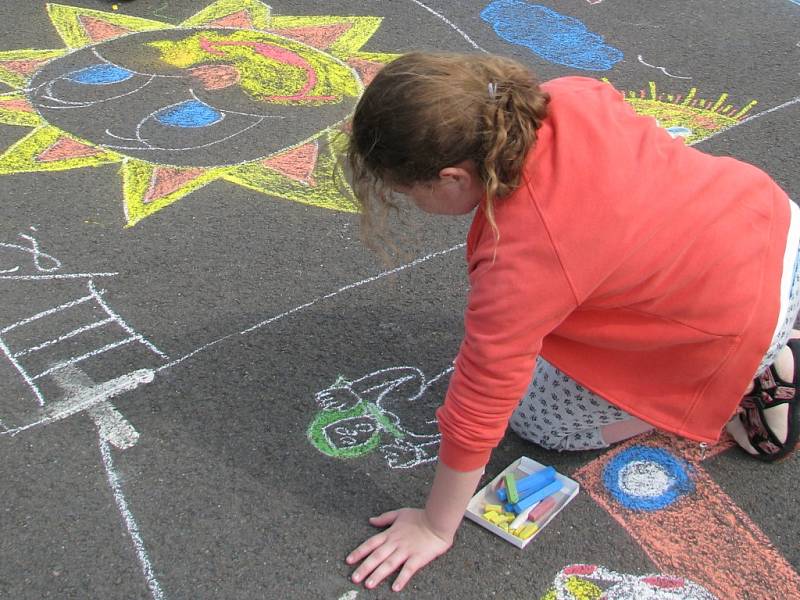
point(427, 111)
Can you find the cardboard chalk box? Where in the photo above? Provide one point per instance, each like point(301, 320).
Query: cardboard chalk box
point(519, 468)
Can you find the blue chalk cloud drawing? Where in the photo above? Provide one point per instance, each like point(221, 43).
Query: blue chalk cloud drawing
point(553, 36)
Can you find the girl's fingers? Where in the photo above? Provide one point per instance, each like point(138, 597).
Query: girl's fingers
point(385, 519)
point(372, 562)
point(406, 574)
point(388, 566)
point(382, 520)
point(365, 548)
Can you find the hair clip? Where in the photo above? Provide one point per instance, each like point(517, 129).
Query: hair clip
point(492, 90)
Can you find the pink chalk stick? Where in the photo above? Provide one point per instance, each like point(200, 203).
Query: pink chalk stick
point(542, 509)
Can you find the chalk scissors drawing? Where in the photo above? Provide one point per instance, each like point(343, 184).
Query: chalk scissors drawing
point(31, 247)
point(358, 415)
point(80, 394)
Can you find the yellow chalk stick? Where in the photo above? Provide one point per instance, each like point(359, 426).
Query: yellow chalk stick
point(527, 531)
point(506, 517)
point(491, 516)
point(495, 507)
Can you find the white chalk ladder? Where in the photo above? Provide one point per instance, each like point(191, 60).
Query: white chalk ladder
point(81, 393)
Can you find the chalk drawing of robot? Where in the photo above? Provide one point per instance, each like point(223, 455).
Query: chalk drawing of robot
point(383, 410)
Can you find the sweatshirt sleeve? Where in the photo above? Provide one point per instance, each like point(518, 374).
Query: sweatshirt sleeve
point(519, 293)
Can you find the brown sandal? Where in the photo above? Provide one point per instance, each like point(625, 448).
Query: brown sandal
point(770, 391)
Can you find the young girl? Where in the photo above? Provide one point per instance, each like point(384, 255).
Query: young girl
point(637, 281)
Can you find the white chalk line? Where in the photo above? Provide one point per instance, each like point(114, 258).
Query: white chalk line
point(66, 105)
point(66, 336)
point(7, 351)
point(86, 399)
point(64, 276)
point(149, 146)
point(122, 323)
point(76, 359)
point(111, 425)
point(130, 522)
point(662, 69)
point(450, 24)
point(751, 118)
point(47, 312)
point(311, 303)
point(34, 251)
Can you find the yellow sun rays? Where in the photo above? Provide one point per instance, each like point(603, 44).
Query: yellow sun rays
point(688, 115)
point(301, 173)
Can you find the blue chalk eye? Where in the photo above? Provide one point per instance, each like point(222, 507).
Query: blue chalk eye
point(104, 74)
point(192, 113)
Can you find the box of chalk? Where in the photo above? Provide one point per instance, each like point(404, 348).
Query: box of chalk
point(521, 500)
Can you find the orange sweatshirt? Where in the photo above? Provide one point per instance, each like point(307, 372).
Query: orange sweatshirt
point(644, 269)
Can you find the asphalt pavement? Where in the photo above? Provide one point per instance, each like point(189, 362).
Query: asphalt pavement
point(207, 383)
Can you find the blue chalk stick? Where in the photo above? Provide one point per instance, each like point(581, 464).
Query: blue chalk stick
point(530, 484)
point(543, 493)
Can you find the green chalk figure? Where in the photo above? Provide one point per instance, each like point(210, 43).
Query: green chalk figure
point(383, 410)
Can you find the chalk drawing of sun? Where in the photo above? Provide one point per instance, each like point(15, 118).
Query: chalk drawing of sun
point(687, 116)
point(233, 93)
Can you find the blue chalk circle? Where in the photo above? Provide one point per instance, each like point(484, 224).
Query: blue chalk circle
point(192, 113)
point(643, 478)
point(553, 36)
point(104, 74)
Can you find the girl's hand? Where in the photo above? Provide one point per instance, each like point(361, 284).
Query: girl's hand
point(410, 542)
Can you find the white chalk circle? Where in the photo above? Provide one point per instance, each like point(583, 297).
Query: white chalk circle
point(644, 479)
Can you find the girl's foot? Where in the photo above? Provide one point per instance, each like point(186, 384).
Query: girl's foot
point(768, 422)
